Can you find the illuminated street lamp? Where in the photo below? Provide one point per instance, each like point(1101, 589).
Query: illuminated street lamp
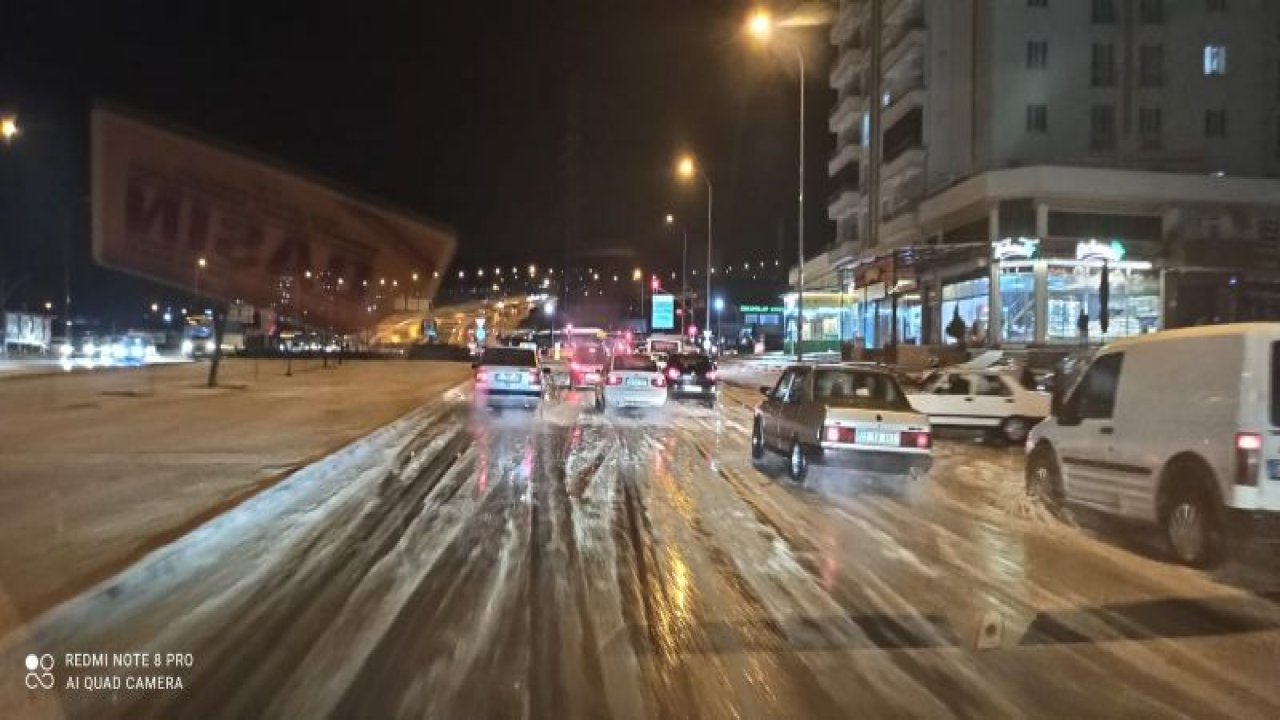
point(48, 305)
point(760, 26)
point(415, 277)
point(684, 267)
point(200, 265)
point(687, 169)
point(9, 129)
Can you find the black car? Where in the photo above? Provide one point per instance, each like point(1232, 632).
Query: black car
point(691, 376)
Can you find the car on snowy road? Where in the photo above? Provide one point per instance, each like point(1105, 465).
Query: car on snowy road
point(631, 381)
point(851, 417)
point(990, 400)
point(692, 377)
point(509, 377)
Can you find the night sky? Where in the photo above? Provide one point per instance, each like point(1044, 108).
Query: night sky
point(543, 131)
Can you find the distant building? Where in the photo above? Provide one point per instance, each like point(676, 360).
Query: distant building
point(1024, 142)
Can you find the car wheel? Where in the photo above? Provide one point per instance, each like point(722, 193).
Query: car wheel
point(1014, 429)
point(1191, 528)
point(757, 441)
point(797, 463)
point(1044, 482)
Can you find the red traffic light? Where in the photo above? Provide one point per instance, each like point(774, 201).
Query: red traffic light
point(654, 282)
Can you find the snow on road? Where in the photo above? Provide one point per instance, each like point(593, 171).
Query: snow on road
point(568, 564)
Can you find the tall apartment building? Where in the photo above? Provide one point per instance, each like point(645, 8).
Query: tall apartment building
point(1027, 144)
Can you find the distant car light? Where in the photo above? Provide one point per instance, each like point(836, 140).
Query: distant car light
point(187, 347)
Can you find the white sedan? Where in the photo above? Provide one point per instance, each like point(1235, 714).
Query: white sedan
point(631, 381)
point(990, 400)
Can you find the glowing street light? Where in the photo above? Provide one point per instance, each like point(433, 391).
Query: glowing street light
point(9, 129)
point(155, 307)
point(671, 219)
point(687, 169)
point(760, 25)
point(307, 274)
point(415, 277)
point(533, 269)
point(202, 263)
point(48, 305)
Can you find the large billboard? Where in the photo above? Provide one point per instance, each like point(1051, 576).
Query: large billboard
point(186, 213)
point(27, 329)
point(664, 312)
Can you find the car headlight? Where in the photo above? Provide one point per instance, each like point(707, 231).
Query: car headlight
point(119, 350)
point(187, 347)
point(90, 349)
point(208, 346)
point(64, 350)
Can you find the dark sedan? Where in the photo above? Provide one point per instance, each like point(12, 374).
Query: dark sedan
point(691, 376)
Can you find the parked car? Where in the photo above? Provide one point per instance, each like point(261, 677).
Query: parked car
point(631, 381)
point(855, 418)
point(992, 400)
point(509, 377)
point(1178, 429)
point(586, 366)
point(691, 376)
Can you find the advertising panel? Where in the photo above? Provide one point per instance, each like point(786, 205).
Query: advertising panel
point(664, 312)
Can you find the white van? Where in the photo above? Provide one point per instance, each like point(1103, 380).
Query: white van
point(1180, 429)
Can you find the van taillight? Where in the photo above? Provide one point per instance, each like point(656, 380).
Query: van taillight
point(1248, 452)
point(482, 377)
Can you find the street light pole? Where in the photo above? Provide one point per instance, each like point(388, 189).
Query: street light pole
point(800, 233)
point(709, 201)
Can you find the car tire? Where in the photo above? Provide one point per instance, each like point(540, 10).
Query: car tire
point(797, 462)
point(1192, 528)
point(1014, 429)
point(1044, 480)
point(757, 441)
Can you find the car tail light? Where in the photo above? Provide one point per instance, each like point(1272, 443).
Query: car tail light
point(673, 373)
point(711, 375)
point(1248, 452)
point(837, 434)
point(919, 439)
point(614, 379)
point(535, 377)
point(482, 377)
point(575, 367)
point(658, 381)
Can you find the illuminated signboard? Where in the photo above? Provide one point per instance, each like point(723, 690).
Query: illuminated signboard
point(664, 312)
point(760, 309)
point(1020, 248)
point(1094, 250)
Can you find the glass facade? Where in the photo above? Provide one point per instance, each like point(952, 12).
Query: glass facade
point(970, 300)
point(1017, 302)
point(1073, 287)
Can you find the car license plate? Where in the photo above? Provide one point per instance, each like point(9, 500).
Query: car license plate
point(637, 382)
point(508, 377)
point(692, 387)
point(876, 437)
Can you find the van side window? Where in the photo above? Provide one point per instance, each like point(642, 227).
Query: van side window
point(1098, 387)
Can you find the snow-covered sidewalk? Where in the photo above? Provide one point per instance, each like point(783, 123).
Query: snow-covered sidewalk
point(97, 470)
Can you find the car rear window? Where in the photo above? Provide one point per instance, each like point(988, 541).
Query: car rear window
point(858, 388)
point(694, 363)
point(589, 354)
point(642, 363)
point(508, 356)
point(664, 346)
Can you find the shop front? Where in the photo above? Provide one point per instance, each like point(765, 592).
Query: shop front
point(1047, 290)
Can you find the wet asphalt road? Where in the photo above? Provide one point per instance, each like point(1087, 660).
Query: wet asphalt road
point(566, 564)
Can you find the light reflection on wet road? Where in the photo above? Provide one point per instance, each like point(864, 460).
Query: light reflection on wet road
point(566, 564)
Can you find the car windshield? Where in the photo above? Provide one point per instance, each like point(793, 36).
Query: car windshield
point(554, 359)
point(508, 356)
point(642, 363)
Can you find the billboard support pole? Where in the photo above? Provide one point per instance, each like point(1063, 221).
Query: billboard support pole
point(219, 325)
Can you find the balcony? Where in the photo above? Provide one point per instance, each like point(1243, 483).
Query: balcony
point(844, 201)
point(846, 113)
point(852, 13)
point(898, 107)
point(909, 45)
point(849, 60)
point(907, 162)
point(843, 156)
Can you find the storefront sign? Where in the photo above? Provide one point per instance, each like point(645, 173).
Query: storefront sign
point(1094, 250)
point(1020, 248)
point(759, 309)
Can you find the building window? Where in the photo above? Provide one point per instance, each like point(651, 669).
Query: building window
point(1104, 65)
point(1151, 12)
point(1104, 11)
point(1037, 54)
point(1038, 3)
point(1037, 118)
point(1216, 6)
point(1102, 128)
point(1215, 123)
point(1215, 59)
point(1149, 128)
point(1151, 65)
